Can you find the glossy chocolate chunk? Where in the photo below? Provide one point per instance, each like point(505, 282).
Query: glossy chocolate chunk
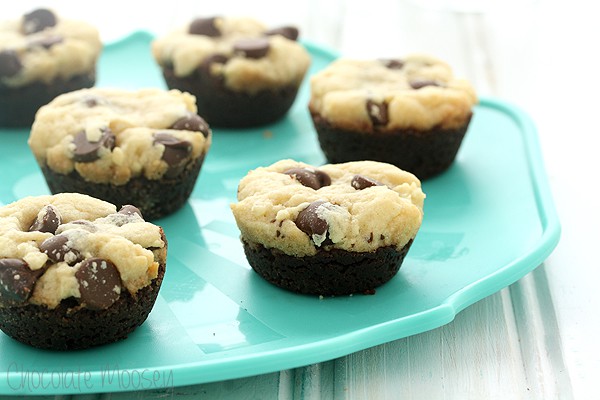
point(360, 182)
point(46, 42)
point(88, 151)
point(310, 178)
point(128, 209)
point(192, 122)
point(99, 283)
point(57, 249)
point(204, 26)
point(378, 112)
point(47, 220)
point(37, 21)
point(16, 281)
point(176, 150)
point(421, 83)
point(10, 64)
point(252, 48)
point(289, 32)
point(392, 63)
point(309, 222)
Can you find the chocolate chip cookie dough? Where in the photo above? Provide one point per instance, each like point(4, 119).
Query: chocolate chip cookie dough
point(242, 73)
point(75, 272)
point(410, 112)
point(332, 230)
point(143, 147)
point(41, 56)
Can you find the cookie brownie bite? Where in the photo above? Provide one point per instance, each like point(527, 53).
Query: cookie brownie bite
point(41, 56)
point(410, 112)
point(75, 272)
point(242, 73)
point(144, 147)
point(332, 230)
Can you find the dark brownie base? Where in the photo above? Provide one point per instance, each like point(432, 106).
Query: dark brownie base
point(225, 108)
point(18, 105)
point(154, 198)
point(329, 272)
point(425, 154)
point(68, 327)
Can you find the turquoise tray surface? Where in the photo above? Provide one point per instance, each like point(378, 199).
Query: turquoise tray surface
point(489, 220)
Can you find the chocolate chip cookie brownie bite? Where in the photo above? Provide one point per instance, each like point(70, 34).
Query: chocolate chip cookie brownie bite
point(332, 230)
point(144, 147)
point(75, 272)
point(41, 56)
point(242, 73)
point(412, 112)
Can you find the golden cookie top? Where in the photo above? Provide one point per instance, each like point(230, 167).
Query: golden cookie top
point(42, 46)
point(357, 206)
point(113, 135)
point(71, 245)
point(416, 92)
point(242, 51)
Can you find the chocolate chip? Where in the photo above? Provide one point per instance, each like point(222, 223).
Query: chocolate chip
point(309, 222)
point(92, 101)
point(128, 209)
point(289, 32)
point(16, 281)
point(46, 42)
point(360, 182)
point(57, 249)
point(312, 178)
point(252, 48)
point(10, 64)
point(378, 112)
point(38, 20)
point(99, 283)
point(420, 83)
point(204, 26)
point(206, 65)
point(392, 63)
point(47, 220)
point(176, 152)
point(88, 151)
point(192, 122)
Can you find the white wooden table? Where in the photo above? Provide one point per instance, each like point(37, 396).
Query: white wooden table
point(536, 339)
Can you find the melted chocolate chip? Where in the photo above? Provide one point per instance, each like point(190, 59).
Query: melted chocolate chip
point(309, 222)
point(46, 42)
point(57, 249)
point(289, 32)
point(204, 26)
point(176, 150)
point(360, 182)
point(252, 48)
point(16, 281)
point(99, 283)
point(128, 209)
point(192, 122)
point(10, 64)
point(88, 151)
point(392, 63)
point(421, 83)
point(47, 220)
point(206, 66)
point(378, 112)
point(37, 21)
point(310, 178)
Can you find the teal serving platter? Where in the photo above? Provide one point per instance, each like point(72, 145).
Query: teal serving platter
point(489, 220)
